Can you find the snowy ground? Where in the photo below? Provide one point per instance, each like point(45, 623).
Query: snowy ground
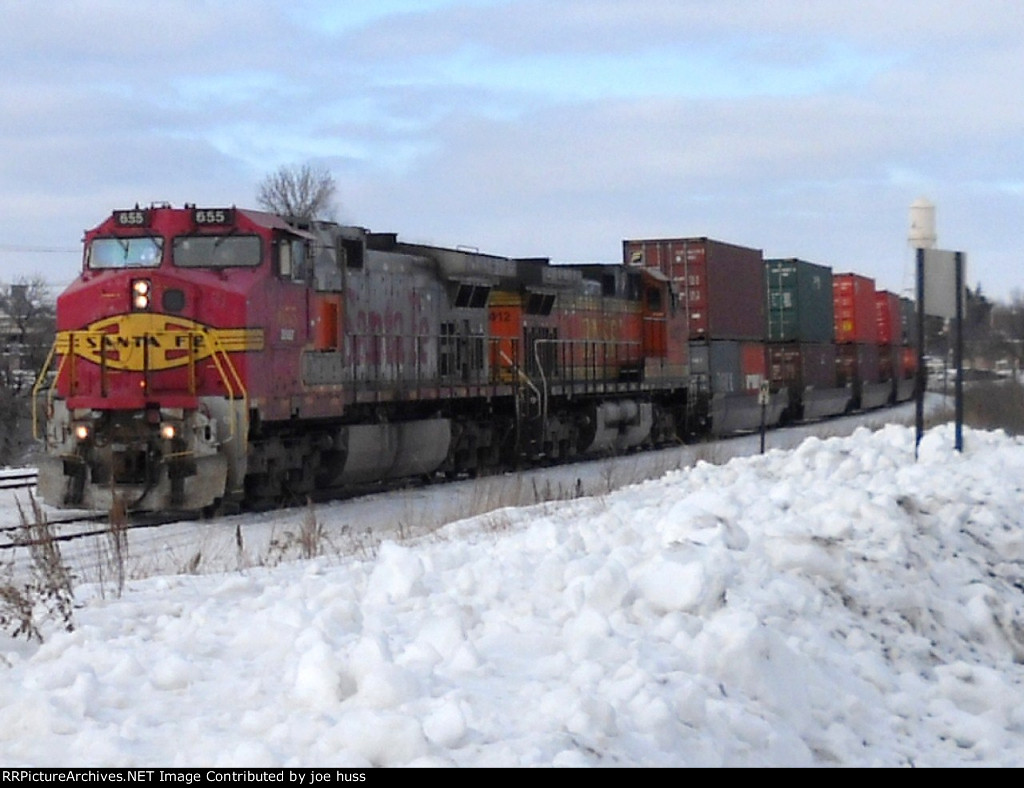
point(836, 603)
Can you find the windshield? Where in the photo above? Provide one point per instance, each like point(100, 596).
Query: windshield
point(217, 251)
point(125, 252)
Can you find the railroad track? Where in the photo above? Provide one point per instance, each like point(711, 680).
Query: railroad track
point(84, 525)
point(18, 478)
point(70, 529)
point(67, 528)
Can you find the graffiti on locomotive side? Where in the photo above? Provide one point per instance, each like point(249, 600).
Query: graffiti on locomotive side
point(154, 342)
point(381, 338)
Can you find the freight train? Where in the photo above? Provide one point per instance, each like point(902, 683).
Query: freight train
point(213, 358)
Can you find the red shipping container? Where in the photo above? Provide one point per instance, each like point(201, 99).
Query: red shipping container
point(754, 365)
point(856, 315)
point(721, 286)
point(890, 318)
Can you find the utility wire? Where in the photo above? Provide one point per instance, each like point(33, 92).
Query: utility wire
point(37, 249)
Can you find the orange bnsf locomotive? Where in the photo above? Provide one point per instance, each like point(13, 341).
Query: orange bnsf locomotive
point(210, 357)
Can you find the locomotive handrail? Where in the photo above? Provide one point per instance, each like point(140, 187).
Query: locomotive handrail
point(69, 354)
point(586, 343)
point(523, 378)
point(218, 350)
point(40, 378)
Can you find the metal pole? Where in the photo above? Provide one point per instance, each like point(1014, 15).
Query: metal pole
point(764, 426)
point(763, 397)
point(959, 351)
point(922, 372)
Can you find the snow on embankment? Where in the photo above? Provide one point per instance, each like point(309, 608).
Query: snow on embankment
point(838, 604)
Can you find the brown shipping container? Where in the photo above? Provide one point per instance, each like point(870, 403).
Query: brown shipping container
point(855, 312)
point(803, 364)
point(890, 318)
point(887, 361)
point(819, 363)
point(721, 286)
point(858, 362)
point(785, 365)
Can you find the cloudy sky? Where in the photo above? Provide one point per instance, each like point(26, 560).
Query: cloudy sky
point(530, 127)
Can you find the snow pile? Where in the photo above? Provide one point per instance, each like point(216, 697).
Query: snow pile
point(838, 604)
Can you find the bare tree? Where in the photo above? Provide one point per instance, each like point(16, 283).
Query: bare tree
point(14, 412)
point(28, 304)
point(27, 317)
point(1008, 323)
point(298, 192)
point(27, 326)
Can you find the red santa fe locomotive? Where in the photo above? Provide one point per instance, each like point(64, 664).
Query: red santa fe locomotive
point(211, 357)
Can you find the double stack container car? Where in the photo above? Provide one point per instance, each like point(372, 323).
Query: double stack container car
point(856, 325)
point(898, 355)
point(802, 357)
point(720, 288)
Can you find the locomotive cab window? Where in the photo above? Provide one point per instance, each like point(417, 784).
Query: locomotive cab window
point(217, 251)
point(292, 259)
point(144, 252)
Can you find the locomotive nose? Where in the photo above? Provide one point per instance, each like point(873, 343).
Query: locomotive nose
point(154, 459)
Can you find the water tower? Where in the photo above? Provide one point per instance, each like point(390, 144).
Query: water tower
point(922, 224)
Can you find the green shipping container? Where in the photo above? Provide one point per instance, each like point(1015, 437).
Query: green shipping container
point(800, 304)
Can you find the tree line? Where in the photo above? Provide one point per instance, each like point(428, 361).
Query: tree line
point(993, 331)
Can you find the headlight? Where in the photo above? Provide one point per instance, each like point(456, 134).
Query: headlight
point(82, 431)
point(168, 431)
point(141, 294)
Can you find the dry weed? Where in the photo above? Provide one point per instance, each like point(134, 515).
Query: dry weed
point(48, 588)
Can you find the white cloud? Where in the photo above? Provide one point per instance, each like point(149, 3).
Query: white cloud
point(555, 126)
